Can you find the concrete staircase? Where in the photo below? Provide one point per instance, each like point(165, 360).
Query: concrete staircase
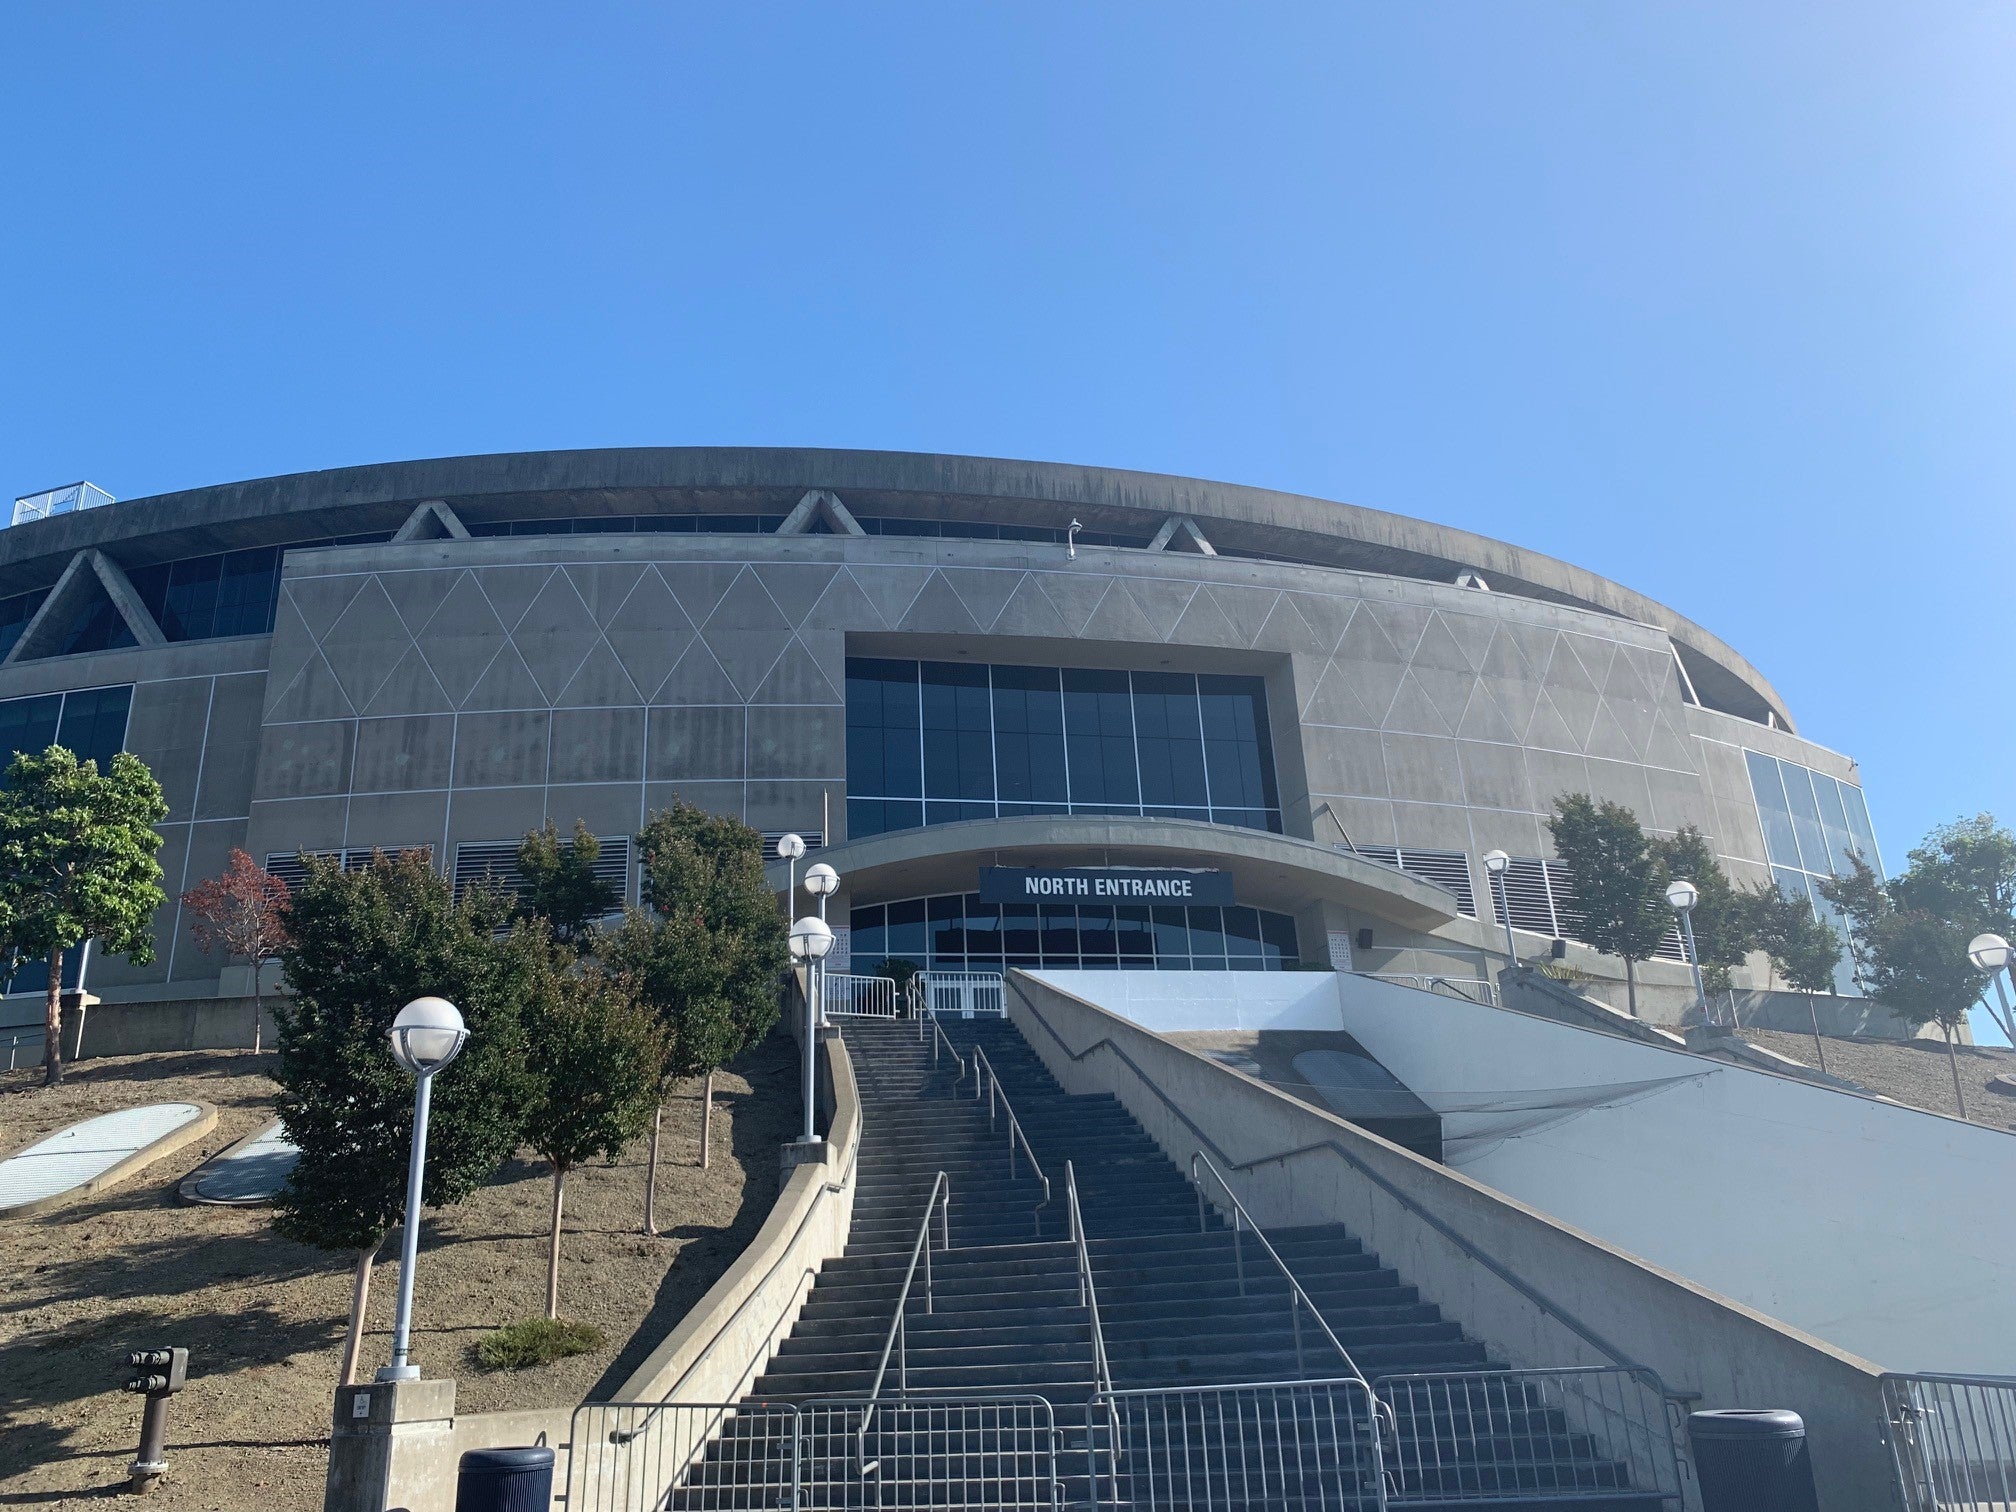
point(1178, 1309)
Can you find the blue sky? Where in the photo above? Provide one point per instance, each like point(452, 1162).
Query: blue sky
point(1715, 299)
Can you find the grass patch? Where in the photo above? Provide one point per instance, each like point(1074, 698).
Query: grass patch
point(536, 1341)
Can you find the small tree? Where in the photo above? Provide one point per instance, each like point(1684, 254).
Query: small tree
point(1802, 947)
point(242, 912)
point(77, 864)
point(560, 885)
point(1617, 880)
point(362, 945)
point(1722, 917)
point(706, 952)
point(597, 1055)
point(900, 971)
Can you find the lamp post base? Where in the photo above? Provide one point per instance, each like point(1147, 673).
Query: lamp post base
point(397, 1373)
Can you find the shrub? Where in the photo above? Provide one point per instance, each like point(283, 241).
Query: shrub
point(535, 1341)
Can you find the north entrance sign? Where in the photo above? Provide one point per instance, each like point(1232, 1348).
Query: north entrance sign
point(1103, 884)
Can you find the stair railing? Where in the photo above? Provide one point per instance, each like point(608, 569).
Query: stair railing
point(898, 1342)
point(1297, 1297)
point(1102, 1366)
point(996, 1098)
point(938, 1038)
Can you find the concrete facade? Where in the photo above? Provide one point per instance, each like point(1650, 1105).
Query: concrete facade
point(451, 688)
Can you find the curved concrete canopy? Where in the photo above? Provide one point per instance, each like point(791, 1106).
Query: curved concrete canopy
point(1268, 871)
point(627, 480)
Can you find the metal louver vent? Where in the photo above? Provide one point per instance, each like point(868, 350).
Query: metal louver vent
point(1449, 870)
point(288, 867)
point(1542, 901)
point(497, 861)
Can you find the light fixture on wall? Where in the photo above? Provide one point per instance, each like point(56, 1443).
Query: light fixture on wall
point(1071, 540)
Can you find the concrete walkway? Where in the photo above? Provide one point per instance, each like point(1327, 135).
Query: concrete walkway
point(97, 1154)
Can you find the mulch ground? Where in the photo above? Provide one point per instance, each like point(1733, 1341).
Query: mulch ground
point(1910, 1071)
point(263, 1318)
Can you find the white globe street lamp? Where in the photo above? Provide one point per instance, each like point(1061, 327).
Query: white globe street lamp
point(1992, 954)
point(822, 882)
point(1683, 895)
point(791, 848)
point(426, 1036)
point(1496, 862)
point(810, 940)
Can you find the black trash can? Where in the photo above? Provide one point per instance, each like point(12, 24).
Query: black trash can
point(1752, 1461)
point(505, 1480)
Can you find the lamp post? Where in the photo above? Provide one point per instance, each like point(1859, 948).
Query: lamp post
point(1496, 862)
point(426, 1036)
point(1683, 895)
point(822, 882)
point(810, 940)
point(1992, 954)
point(791, 848)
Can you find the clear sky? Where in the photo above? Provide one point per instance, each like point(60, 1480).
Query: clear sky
point(1716, 299)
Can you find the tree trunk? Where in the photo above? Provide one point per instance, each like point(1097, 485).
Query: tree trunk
point(1631, 986)
point(1819, 1049)
point(52, 1023)
point(1953, 1061)
point(553, 1244)
point(651, 1175)
point(360, 1298)
point(258, 1005)
point(706, 1119)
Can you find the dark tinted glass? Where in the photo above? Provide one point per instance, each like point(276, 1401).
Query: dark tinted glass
point(958, 732)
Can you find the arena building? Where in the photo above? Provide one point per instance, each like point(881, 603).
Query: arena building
point(1036, 715)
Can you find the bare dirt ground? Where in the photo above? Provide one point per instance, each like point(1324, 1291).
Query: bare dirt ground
point(263, 1318)
point(1910, 1071)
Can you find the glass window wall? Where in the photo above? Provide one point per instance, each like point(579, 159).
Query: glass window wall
point(958, 932)
point(1812, 825)
point(936, 742)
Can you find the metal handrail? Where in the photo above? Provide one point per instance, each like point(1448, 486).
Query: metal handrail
point(940, 1038)
point(898, 1341)
point(995, 1096)
point(1298, 1298)
point(1088, 1294)
point(1497, 1268)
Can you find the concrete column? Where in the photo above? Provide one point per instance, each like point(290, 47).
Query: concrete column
point(392, 1444)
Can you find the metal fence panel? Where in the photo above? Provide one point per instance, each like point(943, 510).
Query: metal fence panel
point(691, 1456)
point(1311, 1445)
point(1954, 1440)
point(859, 996)
point(994, 1454)
point(964, 993)
point(1585, 1433)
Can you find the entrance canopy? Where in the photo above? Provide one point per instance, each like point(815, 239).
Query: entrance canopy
point(1268, 871)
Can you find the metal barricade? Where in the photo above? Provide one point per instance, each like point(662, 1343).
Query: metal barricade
point(1584, 1432)
point(859, 996)
point(24, 1046)
point(1312, 1445)
point(657, 1456)
point(984, 1454)
point(964, 993)
point(1954, 1441)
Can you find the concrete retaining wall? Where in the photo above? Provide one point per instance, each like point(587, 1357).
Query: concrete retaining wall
point(1542, 1293)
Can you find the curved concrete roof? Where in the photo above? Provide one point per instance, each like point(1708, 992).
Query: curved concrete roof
point(640, 479)
point(1269, 871)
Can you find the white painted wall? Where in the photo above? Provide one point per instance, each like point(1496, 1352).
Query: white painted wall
point(1883, 1230)
point(1173, 1002)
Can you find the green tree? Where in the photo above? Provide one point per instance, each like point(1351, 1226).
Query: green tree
point(596, 1055)
point(1910, 959)
point(559, 881)
point(706, 952)
point(1617, 880)
point(1722, 915)
point(1802, 947)
point(77, 864)
point(899, 970)
point(362, 945)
